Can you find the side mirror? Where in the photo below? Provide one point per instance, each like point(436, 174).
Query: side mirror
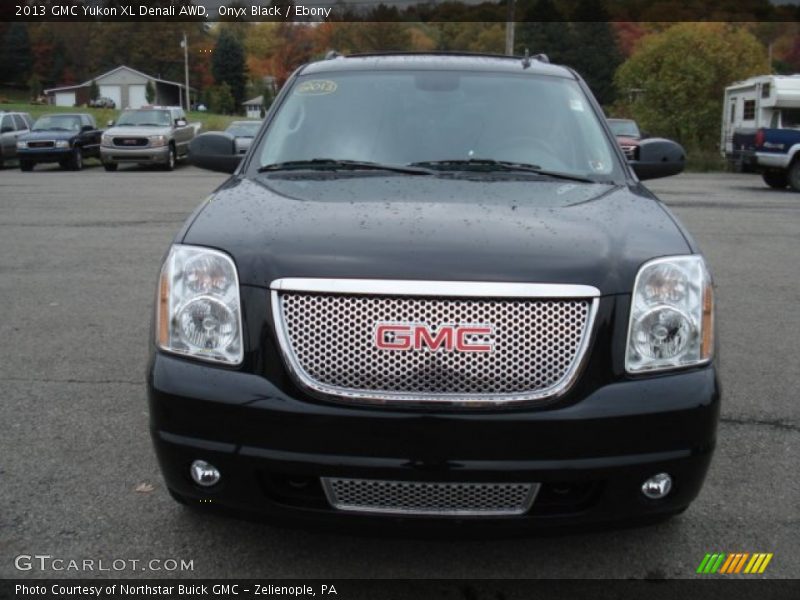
point(180, 122)
point(215, 151)
point(6, 129)
point(87, 128)
point(110, 123)
point(658, 157)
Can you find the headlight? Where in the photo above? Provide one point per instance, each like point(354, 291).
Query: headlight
point(198, 312)
point(105, 140)
point(22, 145)
point(672, 315)
point(158, 140)
point(62, 144)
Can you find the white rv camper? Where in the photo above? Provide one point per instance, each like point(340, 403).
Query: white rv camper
point(757, 102)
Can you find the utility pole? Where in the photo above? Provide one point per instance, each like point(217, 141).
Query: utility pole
point(185, 46)
point(510, 28)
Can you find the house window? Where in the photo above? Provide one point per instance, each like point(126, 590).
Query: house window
point(749, 110)
point(765, 90)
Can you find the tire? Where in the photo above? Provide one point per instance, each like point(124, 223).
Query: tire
point(172, 158)
point(178, 498)
point(775, 179)
point(26, 165)
point(76, 160)
point(110, 166)
point(794, 175)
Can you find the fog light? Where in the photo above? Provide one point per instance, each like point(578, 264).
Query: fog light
point(204, 474)
point(657, 486)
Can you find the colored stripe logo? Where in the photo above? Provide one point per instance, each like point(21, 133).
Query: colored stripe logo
point(734, 563)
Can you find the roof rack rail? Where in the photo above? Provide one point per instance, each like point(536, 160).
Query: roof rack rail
point(541, 57)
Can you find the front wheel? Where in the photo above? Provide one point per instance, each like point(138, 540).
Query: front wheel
point(76, 160)
point(775, 179)
point(26, 165)
point(794, 175)
point(171, 159)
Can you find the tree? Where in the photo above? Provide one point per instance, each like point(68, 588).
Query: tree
point(94, 91)
point(150, 92)
point(595, 55)
point(35, 87)
point(543, 30)
point(17, 58)
point(228, 65)
point(220, 99)
point(682, 73)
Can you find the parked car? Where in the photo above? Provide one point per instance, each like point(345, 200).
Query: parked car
point(150, 135)
point(103, 102)
point(12, 126)
point(65, 138)
point(628, 135)
point(243, 133)
point(419, 301)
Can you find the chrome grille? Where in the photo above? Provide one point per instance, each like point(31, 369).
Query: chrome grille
point(328, 340)
point(427, 498)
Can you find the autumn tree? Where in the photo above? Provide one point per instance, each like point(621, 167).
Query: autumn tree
point(15, 49)
point(595, 54)
point(682, 74)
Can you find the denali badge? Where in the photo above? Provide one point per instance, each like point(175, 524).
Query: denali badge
point(414, 336)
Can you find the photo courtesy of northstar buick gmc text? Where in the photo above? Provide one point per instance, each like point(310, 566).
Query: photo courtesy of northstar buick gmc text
point(419, 301)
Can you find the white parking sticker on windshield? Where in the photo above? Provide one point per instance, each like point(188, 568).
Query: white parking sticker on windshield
point(576, 104)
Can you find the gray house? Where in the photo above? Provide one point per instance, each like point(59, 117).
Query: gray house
point(125, 86)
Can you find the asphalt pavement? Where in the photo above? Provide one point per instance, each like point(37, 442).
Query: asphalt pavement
point(79, 257)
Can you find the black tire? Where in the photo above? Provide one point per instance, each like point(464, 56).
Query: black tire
point(76, 160)
point(794, 175)
point(26, 165)
point(775, 179)
point(110, 166)
point(172, 158)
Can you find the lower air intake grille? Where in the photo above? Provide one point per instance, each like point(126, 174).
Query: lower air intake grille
point(426, 498)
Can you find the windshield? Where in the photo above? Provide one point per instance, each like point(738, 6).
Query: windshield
point(244, 129)
point(58, 123)
point(407, 117)
point(624, 128)
point(145, 118)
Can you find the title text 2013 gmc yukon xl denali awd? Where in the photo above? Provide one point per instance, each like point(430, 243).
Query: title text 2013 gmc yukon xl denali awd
point(434, 291)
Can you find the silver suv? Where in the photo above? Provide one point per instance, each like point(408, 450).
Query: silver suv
point(151, 135)
point(12, 125)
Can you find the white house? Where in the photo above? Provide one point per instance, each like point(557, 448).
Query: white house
point(124, 85)
point(254, 108)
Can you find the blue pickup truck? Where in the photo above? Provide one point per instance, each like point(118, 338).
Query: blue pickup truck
point(773, 151)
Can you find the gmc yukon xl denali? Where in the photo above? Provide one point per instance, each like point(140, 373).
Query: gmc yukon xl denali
point(434, 292)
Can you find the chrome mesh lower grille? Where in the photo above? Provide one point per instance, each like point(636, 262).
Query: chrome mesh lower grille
point(329, 342)
point(426, 498)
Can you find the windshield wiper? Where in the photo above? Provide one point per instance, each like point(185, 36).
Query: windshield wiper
point(490, 164)
point(330, 164)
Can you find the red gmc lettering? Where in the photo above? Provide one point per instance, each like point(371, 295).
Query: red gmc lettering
point(397, 336)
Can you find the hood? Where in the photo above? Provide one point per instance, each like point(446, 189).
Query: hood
point(138, 131)
point(33, 136)
point(628, 141)
point(431, 228)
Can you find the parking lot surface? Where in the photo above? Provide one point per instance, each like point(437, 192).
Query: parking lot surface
point(79, 256)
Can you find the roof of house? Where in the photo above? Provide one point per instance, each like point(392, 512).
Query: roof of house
point(257, 101)
point(89, 81)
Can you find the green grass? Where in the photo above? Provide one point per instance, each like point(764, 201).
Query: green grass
point(210, 121)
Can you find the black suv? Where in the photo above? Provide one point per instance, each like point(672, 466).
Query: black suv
point(435, 291)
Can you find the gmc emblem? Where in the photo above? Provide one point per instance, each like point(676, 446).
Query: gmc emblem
point(415, 336)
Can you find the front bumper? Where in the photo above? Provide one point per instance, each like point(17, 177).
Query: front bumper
point(137, 155)
point(43, 155)
point(590, 456)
